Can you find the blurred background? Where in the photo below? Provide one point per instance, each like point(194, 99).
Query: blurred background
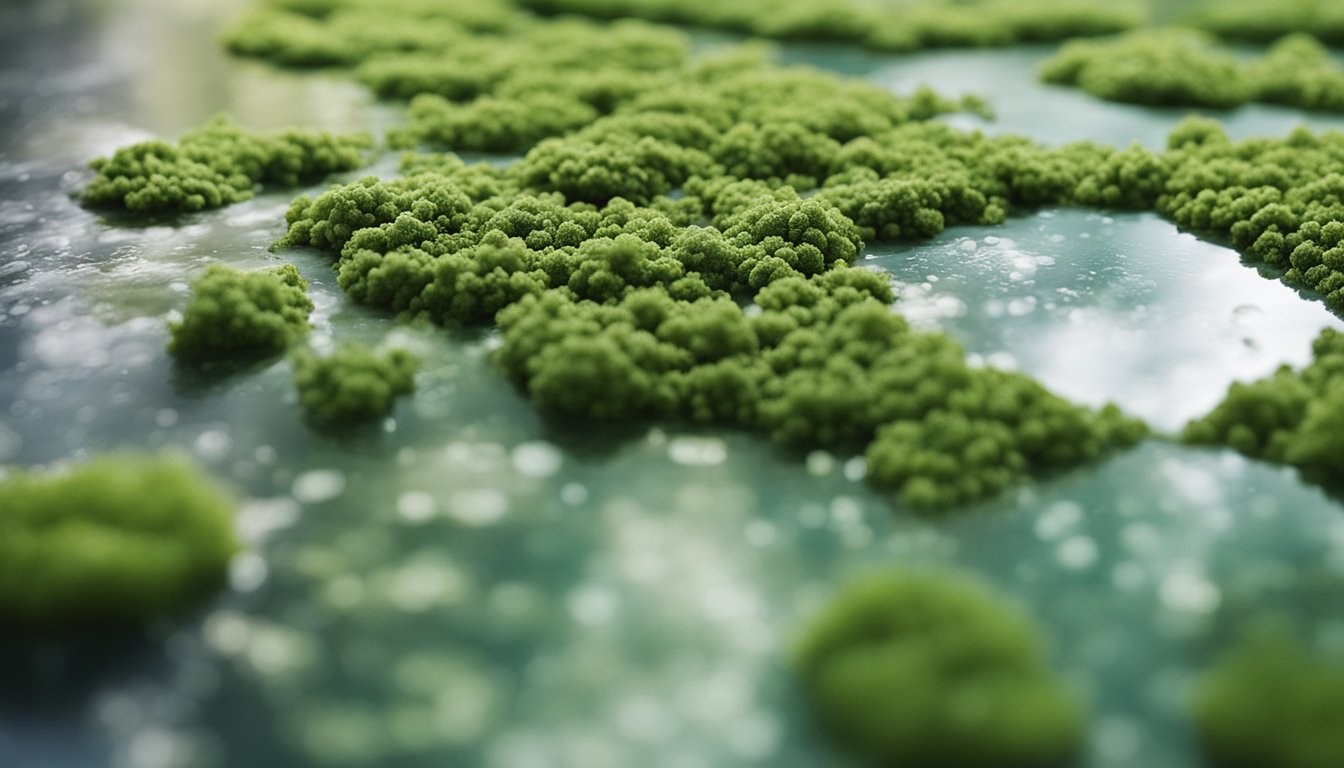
point(467, 584)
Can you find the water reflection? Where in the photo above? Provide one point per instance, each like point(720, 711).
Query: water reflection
point(469, 584)
point(1050, 114)
point(1101, 308)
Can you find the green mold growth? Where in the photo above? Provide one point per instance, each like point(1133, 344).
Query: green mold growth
point(819, 362)
point(1291, 417)
point(235, 314)
point(354, 383)
point(503, 94)
point(216, 165)
point(1298, 71)
point(898, 26)
point(1264, 21)
point(119, 539)
point(934, 670)
point(1180, 67)
point(1272, 702)
point(1280, 201)
point(338, 33)
point(1168, 67)
point(625, 312)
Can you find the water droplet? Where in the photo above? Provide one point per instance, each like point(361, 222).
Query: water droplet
point(537, 459)
point(1057, 519)
point(477, 507)
point(1189, 591)
point(247, 572)
point(1077, 552)
point(573, 494)
point(856, 469)
point(213, 444)
point(820, 463)
point(592, 605)
point(416, 506)
point(318, 485)
point(697, 451)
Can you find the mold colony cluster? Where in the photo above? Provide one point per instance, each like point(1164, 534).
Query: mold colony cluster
point(1292, 417)
point(677, 241)
point(1180, 67)
point(215, 165)
point(117, 539)
point(934, 670)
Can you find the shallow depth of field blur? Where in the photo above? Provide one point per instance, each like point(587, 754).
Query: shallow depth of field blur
point(468, 584)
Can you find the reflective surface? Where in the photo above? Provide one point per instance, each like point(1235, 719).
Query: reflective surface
point(468, 584)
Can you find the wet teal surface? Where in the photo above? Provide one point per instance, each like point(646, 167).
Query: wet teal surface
point(468, 584)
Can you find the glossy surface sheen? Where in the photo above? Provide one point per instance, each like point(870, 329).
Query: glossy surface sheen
point(468, 584)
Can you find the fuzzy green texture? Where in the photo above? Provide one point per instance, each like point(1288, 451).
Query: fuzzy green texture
point(1272, 702)
point(216, 165)
point(504, 90)
point(119, 539)
point(1181, 67)
point(677, 240)
point(624, 312)
point(934, 670)
point(887, 26)
point(1291, 417)
point(1264, 21)
point(354, 383)
point(618, 302)
point(735, 113)
point(1165, 67)
point(322, 33)
point(234, 314)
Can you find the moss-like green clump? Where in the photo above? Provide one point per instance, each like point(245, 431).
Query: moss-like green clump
point(118, 539)
point(1167, 67)
point(883, 26)
point(1264, 21)
point(624, 312)
point(354, 382)
point(233, 313)
point(933, 670)
point(216, 165)
point(1272, 703)
point(321, 33)
point(1292, 417)
point(1178, 67)
point(659, 195)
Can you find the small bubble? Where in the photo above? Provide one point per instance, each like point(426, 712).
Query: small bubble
point(820, 463)
point(697, 451)
point(1128, 577)
point(416, 506)
point(247, 572)
point(478, 507)
point(592, 605)
point(537, 459)
point(856, 469)
point(213, 445)
point(1247, 315)
point(1057, 519)
point(1077, 552)
point(573, 494)
point(760, 533)
point(846, 511)
point(318, 485)
point(263, 517)
point(1190, 592)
